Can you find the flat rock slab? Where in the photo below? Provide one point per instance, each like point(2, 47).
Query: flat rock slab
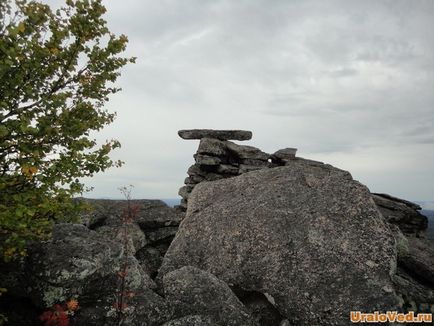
point(215, 134)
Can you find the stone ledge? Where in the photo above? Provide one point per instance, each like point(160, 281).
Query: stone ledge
point(215, 134)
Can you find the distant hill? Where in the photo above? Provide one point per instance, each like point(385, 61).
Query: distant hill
point(426, 205)
point(172, 201)
point(430, 231)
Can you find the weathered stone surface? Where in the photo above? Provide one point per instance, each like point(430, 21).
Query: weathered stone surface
point(227, 169)
point(196, 170)
point(399, 200)
point(246, 152)
point(420, 259)
point(284, 154)
point(207, 160)
point(402, 213)
point(244, 168)
point(254, 162)
point(144, 308)
point(151, 213)
point(156, 214)
point(62, 267)
point(99, 211)
point(83, 264)
point(213, 147)
point(136, 237)
point(305, 235)
point(416, 296)
point(216, 134)
point(71, 263)
point(213, 176)
point(150, 258)
point(401, 242)
point(185, 191)
point(192, 320)
point(160, 234)
point(191, 291)
point(414, 281)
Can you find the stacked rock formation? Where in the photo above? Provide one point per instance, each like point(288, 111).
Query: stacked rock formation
point(218, 158)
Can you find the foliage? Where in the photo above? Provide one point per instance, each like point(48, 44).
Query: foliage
point(59, 315)
point(57, 69)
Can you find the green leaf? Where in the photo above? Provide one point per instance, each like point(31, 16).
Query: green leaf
point(49, 105)
point(3, 131)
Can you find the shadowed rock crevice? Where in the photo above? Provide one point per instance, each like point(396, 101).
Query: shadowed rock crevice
point(260, 308)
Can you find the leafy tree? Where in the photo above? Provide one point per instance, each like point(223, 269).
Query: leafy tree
point(57, 69)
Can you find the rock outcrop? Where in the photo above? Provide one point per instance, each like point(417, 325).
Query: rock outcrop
point(402, 213)
point(217, 158)
point(414, 280)
point(305, 235)
point(154, 227)
point(266, 239)
point(84, 262)
point(80, 263)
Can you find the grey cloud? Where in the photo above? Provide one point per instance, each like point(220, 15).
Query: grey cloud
point(337, 79)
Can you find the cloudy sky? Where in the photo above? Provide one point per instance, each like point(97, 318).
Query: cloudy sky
point(349, 83)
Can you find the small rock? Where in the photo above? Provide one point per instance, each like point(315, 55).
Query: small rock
point(191, 291)
point(207, 160)
point(136, 237)
point(196, 170)
point(213, 147)
point(284, 154)
point(246, 152)
point(185, 191)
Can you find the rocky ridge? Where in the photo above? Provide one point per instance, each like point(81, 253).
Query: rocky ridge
point(261, 239)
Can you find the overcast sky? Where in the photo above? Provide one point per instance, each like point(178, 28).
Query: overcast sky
point(350, 83)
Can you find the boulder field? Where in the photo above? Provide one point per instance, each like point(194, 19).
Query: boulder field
point(259, 239)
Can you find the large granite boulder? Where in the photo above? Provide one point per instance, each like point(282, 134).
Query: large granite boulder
point(305, 235)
